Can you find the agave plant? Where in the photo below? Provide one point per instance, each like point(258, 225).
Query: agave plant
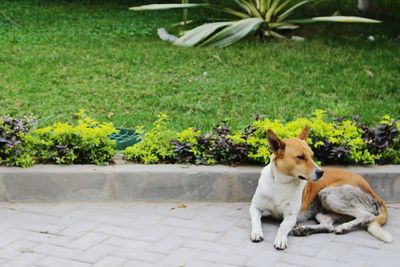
point(263, 17)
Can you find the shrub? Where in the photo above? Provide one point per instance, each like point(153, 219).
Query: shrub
point(13, 149)
point(339, 141)
point(82, 142)
point(156, 146)
point(216, 146)
point(332, 142)
point(384, 140)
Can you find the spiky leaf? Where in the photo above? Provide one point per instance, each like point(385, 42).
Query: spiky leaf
point(166, 6)
point(198, 34)
point(234, 32)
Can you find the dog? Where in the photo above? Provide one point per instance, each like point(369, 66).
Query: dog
point(292, 187)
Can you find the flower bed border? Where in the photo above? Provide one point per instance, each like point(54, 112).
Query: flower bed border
point(135, 182)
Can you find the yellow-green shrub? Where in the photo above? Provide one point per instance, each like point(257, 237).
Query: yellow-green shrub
point(14, 150)
point(332, 142)
point(83, 142)
point(156, 146)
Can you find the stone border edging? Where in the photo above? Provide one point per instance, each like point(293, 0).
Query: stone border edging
point(135, 182)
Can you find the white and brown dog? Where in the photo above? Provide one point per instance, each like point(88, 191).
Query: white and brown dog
point(293, 188)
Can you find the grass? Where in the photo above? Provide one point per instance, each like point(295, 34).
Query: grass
point(57, 57)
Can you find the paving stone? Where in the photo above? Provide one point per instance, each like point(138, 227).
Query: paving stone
point(184, 213)
point(361, 238)
point(110, 261)
point(265, 259)
point(221, 257)
point(157, 233)
point(207, 245)
point(79, 229)
point(280, 264)
point(57, 251)
point(16, 248)
point(302, 250)
point(54, 261)
point(166, 245)
point(117, 231)
point(94, 254)
point(34, 217)
point(307, 261)
point(87, 241)
point(200, 263)
point(151, 234)
point(210, 213)
point(48, 238)
point(231, 240)
point(10, 236)
point(125, 242)
point(197, 234)
point(140, 264)
point(147, 221)
point(180, 257)
point(6, 225)
point(110, 219)
point(184, 223)
point(25, 259)
point(41, 227)
point(138, 254)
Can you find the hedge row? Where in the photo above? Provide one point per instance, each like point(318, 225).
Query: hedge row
point(86, 141)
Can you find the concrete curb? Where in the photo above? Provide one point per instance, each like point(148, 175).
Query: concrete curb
point(134, 182)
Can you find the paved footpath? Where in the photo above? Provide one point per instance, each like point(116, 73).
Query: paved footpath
point(177, 234)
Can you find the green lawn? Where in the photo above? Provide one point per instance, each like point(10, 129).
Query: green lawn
point(57, 57)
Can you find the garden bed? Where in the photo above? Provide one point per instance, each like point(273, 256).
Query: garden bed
point(135, 182)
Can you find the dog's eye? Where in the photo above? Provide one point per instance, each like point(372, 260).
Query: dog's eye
point(302, 157)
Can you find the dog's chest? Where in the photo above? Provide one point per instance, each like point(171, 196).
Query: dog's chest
point(278, 198)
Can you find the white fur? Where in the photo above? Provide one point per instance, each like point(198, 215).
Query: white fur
point(377, 231)
point(281, 196)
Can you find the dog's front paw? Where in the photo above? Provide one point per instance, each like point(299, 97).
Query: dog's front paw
point(256, 236)
point(280, 243)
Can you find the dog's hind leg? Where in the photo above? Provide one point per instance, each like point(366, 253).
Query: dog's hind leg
point(325, 225)
point(352, 201)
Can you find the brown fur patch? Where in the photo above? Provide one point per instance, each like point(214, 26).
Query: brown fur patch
point(296, 159)
point(335, 177)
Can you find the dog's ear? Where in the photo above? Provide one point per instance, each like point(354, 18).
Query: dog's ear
point(275, 144)
point(303, 135)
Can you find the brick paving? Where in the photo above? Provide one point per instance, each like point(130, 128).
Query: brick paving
point(154, 234)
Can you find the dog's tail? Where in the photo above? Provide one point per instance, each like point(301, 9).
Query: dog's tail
point(375, 227)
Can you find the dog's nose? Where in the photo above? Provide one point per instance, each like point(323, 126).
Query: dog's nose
point(319, 173)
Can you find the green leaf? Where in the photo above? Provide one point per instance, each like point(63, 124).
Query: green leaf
point(340, 19)
point(271, 10)
point(166, 6)
point(249, 7)
point(233, 33)
point(281, 6)
point(288, 12)
point(198, 34)
point(235, 13)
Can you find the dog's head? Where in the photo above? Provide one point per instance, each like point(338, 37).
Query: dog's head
point(293, 157)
